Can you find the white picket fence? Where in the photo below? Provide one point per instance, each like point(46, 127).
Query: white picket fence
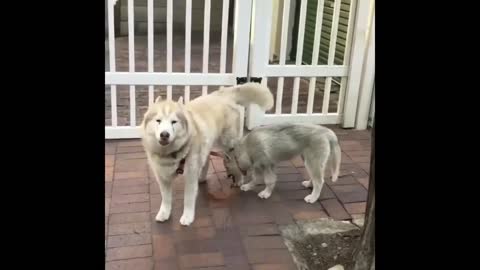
point(252, 28)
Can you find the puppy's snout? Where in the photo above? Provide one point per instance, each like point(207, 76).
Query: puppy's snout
point(164, 135)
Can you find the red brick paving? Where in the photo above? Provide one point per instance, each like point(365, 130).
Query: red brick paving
point(232, 229)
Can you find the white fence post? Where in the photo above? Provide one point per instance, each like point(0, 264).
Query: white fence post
point(356, 63)
point(259, 56)
point(368, 77)
point(241, 38)
point(112, 60)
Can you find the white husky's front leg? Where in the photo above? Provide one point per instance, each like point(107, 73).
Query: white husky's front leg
point(164, 176)
point(192, 174)
point(166, 207)
point(190, 197)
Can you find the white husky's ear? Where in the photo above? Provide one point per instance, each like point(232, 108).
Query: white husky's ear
point(180, 103)
point(158, 99)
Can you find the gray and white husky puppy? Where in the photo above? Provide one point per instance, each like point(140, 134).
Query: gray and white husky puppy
point(256, 154)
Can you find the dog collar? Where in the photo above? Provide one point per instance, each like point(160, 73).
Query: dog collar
point(181, 164)
point(173, 155)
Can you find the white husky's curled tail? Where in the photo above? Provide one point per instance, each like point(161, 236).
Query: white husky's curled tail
point(249, 93)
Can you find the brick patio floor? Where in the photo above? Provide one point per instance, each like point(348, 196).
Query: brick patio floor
point(240, 232)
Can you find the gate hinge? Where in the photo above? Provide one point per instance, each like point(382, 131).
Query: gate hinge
point(241, 80)
point(256, 79)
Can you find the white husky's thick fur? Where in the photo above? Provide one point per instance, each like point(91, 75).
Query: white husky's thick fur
point(173, 132)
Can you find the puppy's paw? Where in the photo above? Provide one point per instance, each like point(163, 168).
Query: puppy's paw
point(187, 219)
point(307, 184)
point(265, 194)
point(311, 198)
point(245, 187)
point(239, 183)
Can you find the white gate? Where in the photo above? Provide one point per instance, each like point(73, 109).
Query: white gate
point(251, 51)
point(150, 78)
point(348, 73)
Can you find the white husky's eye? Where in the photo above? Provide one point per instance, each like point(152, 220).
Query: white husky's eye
point(174, 122)
point(158, 121)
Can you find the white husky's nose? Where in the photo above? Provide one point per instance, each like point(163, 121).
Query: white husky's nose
point(164, 138)
point(164, 135)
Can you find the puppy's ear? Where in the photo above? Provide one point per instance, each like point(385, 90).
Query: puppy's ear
point(235, 143)
point(158, 99)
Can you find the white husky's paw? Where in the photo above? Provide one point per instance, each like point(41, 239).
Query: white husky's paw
point(187, 219)
point(307, 183)
point(265, 194)
point(311, 198)
point(162, 215)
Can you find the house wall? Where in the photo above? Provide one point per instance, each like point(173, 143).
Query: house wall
point(326, 29)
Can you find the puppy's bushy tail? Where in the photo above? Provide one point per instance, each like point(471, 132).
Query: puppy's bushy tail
point(336, 156)
point(249, 93)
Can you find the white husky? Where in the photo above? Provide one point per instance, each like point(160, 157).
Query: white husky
point(175, 134)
